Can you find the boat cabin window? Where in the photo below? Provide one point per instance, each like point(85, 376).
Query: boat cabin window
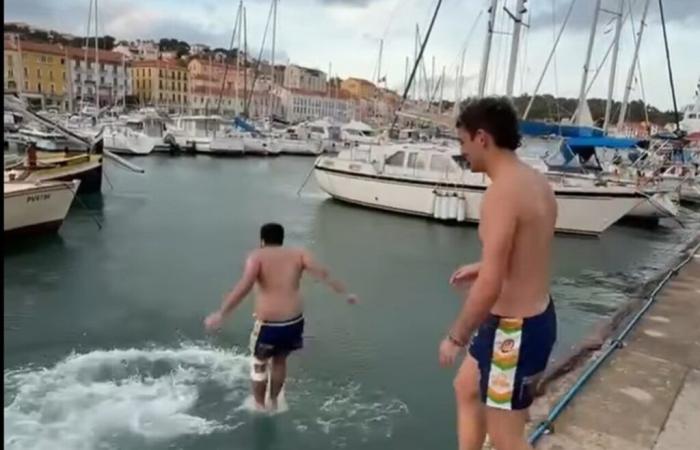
point(693, 116)
point(317, 130)
point(396, 159)
point(134, 126)
point(440, 163)
point(416, 161)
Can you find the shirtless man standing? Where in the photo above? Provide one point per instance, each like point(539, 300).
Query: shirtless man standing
point(279, 323)
point(508, 305)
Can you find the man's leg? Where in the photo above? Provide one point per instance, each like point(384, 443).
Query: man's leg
point(471, 426)
point(259, 379)
point(277, 377)
point(507, 428)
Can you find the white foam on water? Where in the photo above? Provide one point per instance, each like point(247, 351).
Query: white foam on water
point(104, 398)
point(89, 398)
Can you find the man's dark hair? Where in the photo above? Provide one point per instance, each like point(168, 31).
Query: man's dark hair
point(495, 115)
point(272, 234)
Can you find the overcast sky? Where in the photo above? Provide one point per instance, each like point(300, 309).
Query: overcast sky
point(346, 33)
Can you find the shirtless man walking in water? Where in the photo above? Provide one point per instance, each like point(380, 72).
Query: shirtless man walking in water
point(279, 323)
point(508, 305)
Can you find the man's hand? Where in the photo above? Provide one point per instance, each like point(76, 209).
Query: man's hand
point(448, 352)
point(465, 274)
point(213, 321)
point(352, 299)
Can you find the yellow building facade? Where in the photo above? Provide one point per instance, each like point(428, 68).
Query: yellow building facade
point(37, 71)
point(161, 83)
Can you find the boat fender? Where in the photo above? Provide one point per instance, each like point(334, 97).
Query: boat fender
point(461, 209)
point(453, 206)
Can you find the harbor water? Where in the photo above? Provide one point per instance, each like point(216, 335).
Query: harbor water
point(104, 343)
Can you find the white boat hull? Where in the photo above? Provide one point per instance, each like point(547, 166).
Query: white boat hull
point(298, 147)
point(588, 213)
point(125, 144)
point(231, 146)
point(35, 208)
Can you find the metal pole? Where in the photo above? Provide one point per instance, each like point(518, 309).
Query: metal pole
point(379, 66)
point(245, 63)
point(442, 90)
point(87, 47)
point(549, 59)
point(487, 48)
point(415, 61)
point(630, 74)
point(97, 68)
point(668, 64)
point(584, 78)
point(514, 45)
point(274, 37)
point(613, 65)
point(405, 73)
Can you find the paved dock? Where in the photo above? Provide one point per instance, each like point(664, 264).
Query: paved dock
point(646, 396)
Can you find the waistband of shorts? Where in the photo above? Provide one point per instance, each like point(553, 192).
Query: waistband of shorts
point(281, 323)
point(495, 318)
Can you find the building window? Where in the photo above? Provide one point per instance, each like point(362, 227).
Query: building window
point(63, 75)
point(161, 96)
point(160, 84)
point(149, 72)
point(160, 72)
point(9, 60)
point(53, 89)
point(26, 72)
point(26, 85)
point(9, 73)
point(102, 80)
point(38, 73)
point(50, 75)
point(178, 85)
point(178, 75)
point(38, 87)
point(63, 61)
point(102, 67)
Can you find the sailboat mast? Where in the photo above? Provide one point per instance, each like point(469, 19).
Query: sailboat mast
point(613, 65)
point(483, 74)
point(668, 65)
point(379, 63)
point(97, 68)
point(630, 74)
point(87, 47)
point(514, 46)
point(589, 53)
point(272, 58)
point(245, 63)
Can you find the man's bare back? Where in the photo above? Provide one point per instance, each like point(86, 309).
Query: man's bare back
point(279, 275)
point(525, 287)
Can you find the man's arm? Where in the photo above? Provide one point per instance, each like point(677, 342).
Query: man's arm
point(497, 229)
point(319, 272)
point(243, 287)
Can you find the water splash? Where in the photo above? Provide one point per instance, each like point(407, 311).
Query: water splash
point(115, 399)
point(90, 398)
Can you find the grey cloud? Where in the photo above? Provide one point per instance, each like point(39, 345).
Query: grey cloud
point(357, 3)
point(675, 11)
